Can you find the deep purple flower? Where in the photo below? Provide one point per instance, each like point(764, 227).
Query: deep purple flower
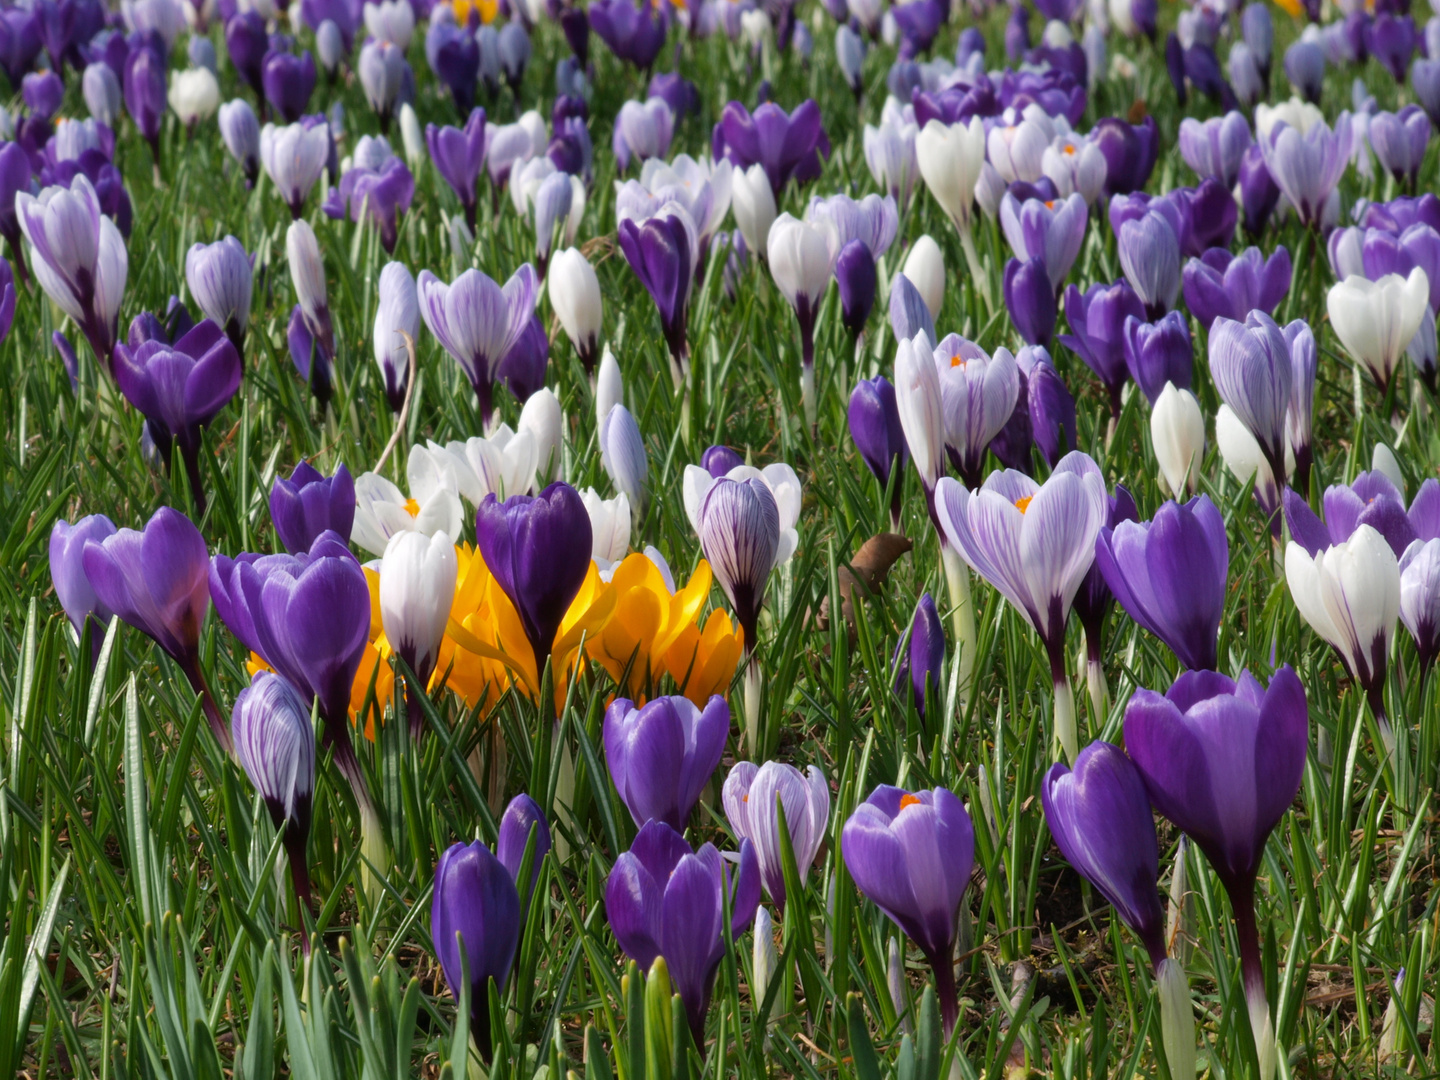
point(1052, 230)
point(1130, 150)
point(43, 91)
point(1097, 324)
point(1150, 256)
point(1371, 500)
point(289, 80)
point(1054, 89)
point(539, 551)
point(1259, 193)
point(145, 94)
point(576, 25)
point(1158, 353)
point(919, 660)
point(1030, 299)
point(662, 899)
point(660, 756)
point(634, 32)
point(67, 573)
point(522, 817)
point(660, 250)
point(911, 854)
point(956, 104)
point(1220, 284)
point(1208, 216)
point(522, 368)
point(454, 56)
point(14, 177)
point(875, 426)
point(309, 503)
point(719, 460)
point(19, 41)
point(1092, 602)
point(1169, 575)
point(1391, 40)
point(676, 91)
point(247, 43)
point(855, 278)
point(1305, 68)
point(788, 146)
point(918, 22)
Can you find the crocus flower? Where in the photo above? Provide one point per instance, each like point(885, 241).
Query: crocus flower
point(662, 252)
point(1307, 167)
point(522, 817)
point(145, 94)
point(180, 389)
point(800, 264)
point(950, 157)
point(1216, 147)
point(1034, 544)
point(719, 460)
point(155, 580)
point(1097, 319)
point(539, 551)
point(661, 755)
point(417, 586)
point(1130, 150)
point(475, 908)
point(1092, 603)
point(459, 155)
point(1170, 575)
point(477, 322)
point(78, 257)
point(1300, 413)
point(294, 157)
point(663, 900)
point(1177, 435)
point(891, 155)
point(1219, 283)
point(911, 854)
point(1052, 232)
point(1030, 299)
point(1375, 320)
point(977, 394)
point(1259, 193)
point(1350, 596)
point(275, 745)
point(308, 503)
point(1250, 363)
point(1049, 406)
point(875, 427)
point(622, 454)
point(67, 573)
point(1149, 250)
point(919, 659)
point(788, 146)
point(634, 32)
point(397, 317)
point(750, 796)
point(1399, 140)
point(1158, 353)
point(1223, 761)
point(240, 131)
point(382, 193)
point(220, 278)
point(1373, 499)
point(739, 525)
point(642, 131)
point(384, 73)
point(288, 81)
point(1419, 598)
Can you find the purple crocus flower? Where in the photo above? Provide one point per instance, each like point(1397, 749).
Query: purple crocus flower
point(382, 193)
point(1092, 602)
point(309, 503)
point(475, 907)
point(145, 95)
point(1220, 284)
point(522, 817)
point(288, 81)
point(19, 41)
point(477, 322)
point(789, 146)
point(1170, 574)
point(1305, 68)
point(678, 92)
point(1307, 167)
point(1130, 150)
point(634, 31)
point(1030, 299)
point(1216, 147)
point(15, 176)
point(539, 551)
point(1097, 319)
point(1399, 140)
point(1100, 817)
point(875, 426)
point(1251, 366)
point(662, 899)
point(454, 55)
point(719, 460)
point(856, 280)
point(643, 130)
point(1373, 499)
point(1390, 38)
point(575, 24)
point(750, 796)
point(1051, 230)
point(1050, 404)
point(459, 155)
point(179, 389)
point(247, 42)
point(918, 21)
point(911, 855)
point(1150, 256)
point(1419, 599)
point(42, 91)
point(661, 250)
point(1223, 761)
point(221, 278)
point(1158, 353)
point(1425, 81)
point(662, 755)
point(1208, 216)
point(919, 659)
point(739, 527)
point(67, 573)
point(155, 580)
point(1259, 193)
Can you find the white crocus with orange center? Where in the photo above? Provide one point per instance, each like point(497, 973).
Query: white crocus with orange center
point(382, 510)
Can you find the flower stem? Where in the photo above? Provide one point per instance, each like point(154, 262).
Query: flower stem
point(944, 968)
point(977, 270)
point(957, 580)
point(1252, 973)
point(753, 699)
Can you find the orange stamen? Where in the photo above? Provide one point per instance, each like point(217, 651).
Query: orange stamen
point(1023, 504)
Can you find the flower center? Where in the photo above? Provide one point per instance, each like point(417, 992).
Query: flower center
point(412, 507)
point(958, 361)
point(1069, 150)
point(1023, 503)
point(908, 800)
point(1049, 204)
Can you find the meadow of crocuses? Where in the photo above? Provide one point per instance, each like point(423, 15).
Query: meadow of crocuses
point(760, 538)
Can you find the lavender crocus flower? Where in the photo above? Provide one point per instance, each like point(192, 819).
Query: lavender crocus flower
point(1425, 81)
point(875, 427)
point(67, 573)
point(294, 157)
point(911, 855)
point(1034, 544)
point(539, 551)
point(1399, 140)
point(1390, 38)
point(1307, 167)
point(1215, 147)
point(1419, 598)
point(1305, 68)
point(1050, 230)
point(145, 98)
point(1097, 319)
point(309, 503)
point(788, 146)
point(662, 755)
point(662, 252)
point(381, 193)
point(977, 395)
point(663, 900)
point(1158, 353)
point(155, 580)
point(1170, 575)
point(1250, 363)
point(1220, 284)
point(750, 795)
point(240, 131)
point(1030, 299)
point(1150, 256)
point(384, 76)
point(246, 44)
point(1092, 602)
point(642, 131)
point(522, 817)
point(1259, 193)
point(1223, 761)
point(220, 279)
point(477, 322)
point(919, 659)
point(459, 155)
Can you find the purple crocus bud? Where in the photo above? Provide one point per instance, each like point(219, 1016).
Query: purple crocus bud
point(1170, 575)
point(455, 57)
point(1305, 68)
point(289, 81)
point(145, 98)
point(1220, 284)
point(739, 526)
point(634, 31)
point(247, 42)
point(1419, 598)
point(1017, 33)
point(719, 460)
point(459, 155)
point(750, 796)
point(642, 131)
point(220, 278)
point(1216, 147)
point(240, 131)
point(1158, 353)
point(539, 551)
point(977, 395)
point(1307, 167)
point(383, 71)
point(875, 426)
point(1130, 150)
point(1150, 256)
point(1208, 216)
point(275, 745)
point(475, 907)
point(911, 854)
point(522, 817)
point(1250, 364)
point(1391, 40)
point(329, 47)
point(919, 659)
point(856, 278)
point(1259, 193)
point(43, 93)
point(1100, 818)
point(103, 96)
point(1258, 31)
point(1373, 499)
point(309, 503)
point(661, 755)
point(1300, 413)
point(155, 580)
point(1050, 405)
point(1030, 299)
point(850, 58)
point(477, 322)
point(1097, 320)
point(576, 25)
point(662, 899)
point(67, 573)
point(1399, 141)
point(1425, 81)
point(788, 146)
point(661, 250)
point(909, 314)
point(1223, 761)
point(1246, 79)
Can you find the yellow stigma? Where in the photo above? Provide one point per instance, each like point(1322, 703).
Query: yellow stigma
point(1049, 204)
point(412, 507)
point(1069, 150)
point(908, 800)
point(957, 361)
point(1022, 504)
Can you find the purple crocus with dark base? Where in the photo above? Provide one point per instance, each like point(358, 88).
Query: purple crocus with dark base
point(155, 580)
point(288, 81)
point(246, 43)
point(661, 755)
point(919, 660)
point(1223, 761)
point(1399, 140)
point(1097, 320)
point(789, 146)
point(1130, 150)
point(475, 907)
point(661, 252)
point(145, 94)
point(1220, 284)
point(719, 460)
point(1373, 499)
point(1158, 353)
point(875, 426)
point(1170, 576)
point(179, 389)
point(1390, 38)
point(1030, 299)
point(1092, 603)
point(67, 574)
point(539, 551)
point(855, 277)
point(1251, 365)
point(1259, 194)
point(1419, 599)
point(664, 900)
point(308, 503)
point(522, 817)
point(634, 31)
point(15, 172)
point(911, 854)
point(382, 193)
point(459, 155)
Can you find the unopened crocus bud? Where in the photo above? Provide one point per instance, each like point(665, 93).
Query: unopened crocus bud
point(609, 386)
point(750, 796)
point(542, 417)
point(622, 453)
point(753, 202)
point(194, 95)
point(919, 666)
point(1177, 434)
point(719, 460)
point(925, 269)
point(1030, 299)
point(1150, 256)
point(308, 503)
point(329, 46)
point(102, 94)
point(522, 817)
point(240, 131)
point(855, 276)
point(220, 279)
point(1158, 353)
point(661, 755)
point(397, 317)
point(382, 70)
point(67, 573)
point(575, 296)
point(307, 274)
point(875, 427)
point(417, 586)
